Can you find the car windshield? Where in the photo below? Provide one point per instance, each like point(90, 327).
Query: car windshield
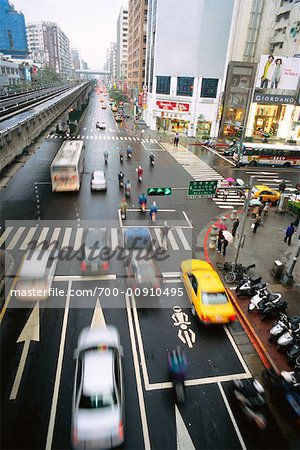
point(214, 298)
point(103, 400)
point(98, 176)
point(255, 190)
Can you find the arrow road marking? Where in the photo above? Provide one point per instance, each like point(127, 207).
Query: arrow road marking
point(98, 317)
point(30, 332)
point(184, 440)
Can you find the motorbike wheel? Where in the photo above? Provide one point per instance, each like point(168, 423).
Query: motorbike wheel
point(230, 277)
point(180, 392)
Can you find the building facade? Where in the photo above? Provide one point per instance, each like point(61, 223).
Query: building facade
point(122, 46)
point(49, 46)
point(9, 74)
point(13, 39)
point(184, 77)
point(137, 35)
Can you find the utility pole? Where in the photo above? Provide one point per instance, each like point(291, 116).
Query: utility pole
point(247, 201)
point(287, 277)
point(247, 110)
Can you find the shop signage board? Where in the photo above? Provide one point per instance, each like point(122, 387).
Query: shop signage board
point(173, 106)
point(202, 189)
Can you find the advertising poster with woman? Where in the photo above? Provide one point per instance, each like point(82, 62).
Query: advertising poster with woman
point(277, 72)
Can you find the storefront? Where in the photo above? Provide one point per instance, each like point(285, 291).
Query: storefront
point(266, 119)
point(166, 123)
point(172, 116)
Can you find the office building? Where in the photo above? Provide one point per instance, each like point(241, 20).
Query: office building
point(13, 39)
point(122, 46)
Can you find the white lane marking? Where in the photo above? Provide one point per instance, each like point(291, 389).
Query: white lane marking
point(58, 371)
point(28, 238)
point(125, 138)
point(121, 138)
point(187, 219)
point(98, 319)
point(30, 332)
point(117, 138)
point(158, 236)
point(172, 240)
point(134, 139)
point(5, 234)
point(43, 236)
point(78, 239)
point(183, 239)
point(66, 238)
point(227, 207)
point(15, 239)
point(114, 238)
point(171, 274)
point(263, 173)
point(160, 210)
point(238, 433)
point(143, 144)
point(200, 381)
point(221, 156)
point(85, 277)
point(237, 351)
point(177, 280)
point(183, 438)
point(138, 377)
point(55, 234)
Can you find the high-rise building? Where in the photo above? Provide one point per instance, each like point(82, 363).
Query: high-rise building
point(76, 60)
point(184, 76)
point(137, 31)
point(13, 40)
point(49, 46)
point(111, 61)
point(122, 45)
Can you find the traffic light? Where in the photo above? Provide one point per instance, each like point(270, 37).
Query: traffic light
point(239, 133)
point(159, 191)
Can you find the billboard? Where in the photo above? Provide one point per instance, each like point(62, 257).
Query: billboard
point(276, 79)
point(173, 106)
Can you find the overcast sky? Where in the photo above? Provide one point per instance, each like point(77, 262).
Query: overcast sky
point(89, 24)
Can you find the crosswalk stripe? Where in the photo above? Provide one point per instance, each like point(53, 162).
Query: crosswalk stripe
point(108, 137)
point(183, 239)
point(113, 138)
point(158, 236)
point(15, 239)
point(92, 137)
point(96, 138)
point(66, 238)
point(82, 137)
point(87, 137)
point(55, 235)
point(43, 235)
point(125, 138)
point(78, 137)
point(104, 138)
point(121, 138)
point(142, 140)
point(134, 139)
point(28, 238)
point(5, 234)
point(138, 139)
point(114, 238)
point(78, 238)
point(129, 138)
point(172, 240)
point(117, 138)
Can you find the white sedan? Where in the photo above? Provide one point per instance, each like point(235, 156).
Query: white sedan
point(98, 181)
point(101, 125)
point(98, 396)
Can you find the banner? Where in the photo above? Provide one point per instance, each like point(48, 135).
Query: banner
point(173, 106)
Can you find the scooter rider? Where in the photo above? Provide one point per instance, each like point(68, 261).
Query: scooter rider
point(121, 177)
point(129, 152)
point(121, 154)
point(128, 188)
point(105, 156)
point(153, 209)
point(140, 172)
point(152, 158)
point(177, 364)
point(123, 208)
point(142, 199)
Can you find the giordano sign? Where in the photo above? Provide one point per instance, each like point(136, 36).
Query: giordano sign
point(274, 98)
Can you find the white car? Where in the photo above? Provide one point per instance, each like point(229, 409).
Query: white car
point(36, 274)
point(98, 396)
point(101, 125)
point(98, 181)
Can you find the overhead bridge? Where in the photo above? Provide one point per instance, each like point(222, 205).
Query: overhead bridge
point(93, 71)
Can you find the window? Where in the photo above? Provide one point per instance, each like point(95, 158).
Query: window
point(194, 282)
point(185, 86)
point(209, 87)
point(163, 85)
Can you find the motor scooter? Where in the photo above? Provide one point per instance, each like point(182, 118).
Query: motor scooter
point(286, 340)
point(121, 159)
point(294, 351)
point(143, 207)
point(262, 299)
point(250, 286)
point(153, 216)
point(250, 397)
point(282, 325)
point(272, 309)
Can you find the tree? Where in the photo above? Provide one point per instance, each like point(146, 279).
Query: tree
point(47, 75)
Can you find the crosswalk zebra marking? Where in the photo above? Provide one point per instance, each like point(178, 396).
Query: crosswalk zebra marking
point(78, 239)
point(55, 234)
point(5, 235)
point(28, 238)
point(66, 238)
point(172, 240)
point(183, 239)
point(158, 236)
point(114, 238)
point(15, 239)
point(43, 235)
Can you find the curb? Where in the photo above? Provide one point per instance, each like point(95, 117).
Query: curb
point(253, 337)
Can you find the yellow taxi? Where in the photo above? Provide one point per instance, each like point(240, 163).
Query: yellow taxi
point(265, 193)
point(207, 294)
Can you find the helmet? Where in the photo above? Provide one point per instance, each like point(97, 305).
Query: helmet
point(154, 203)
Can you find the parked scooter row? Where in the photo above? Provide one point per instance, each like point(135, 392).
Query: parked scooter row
point(286, 332)
point(262, 299)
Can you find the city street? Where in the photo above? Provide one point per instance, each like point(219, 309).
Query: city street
point(38, 339)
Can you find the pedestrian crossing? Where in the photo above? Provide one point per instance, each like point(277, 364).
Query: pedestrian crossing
point(272, 180)
point(199, 170)
point(15, 238)
point(106, 137)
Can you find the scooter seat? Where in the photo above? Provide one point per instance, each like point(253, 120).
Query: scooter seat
point(272, 297)
point(260, 286)
point(255, 279)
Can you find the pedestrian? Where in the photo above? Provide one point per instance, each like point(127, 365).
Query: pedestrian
point(266, 208)
point(225, 243)
point(282, 187)
point(289, 233)
point(221, 238)
point(257, 223)
point(176, 140)
point(225, 195)
point(235, 226)
point(164, 234)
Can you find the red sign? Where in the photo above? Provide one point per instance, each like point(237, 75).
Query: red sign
point(173, 106)
point(140, 100)
point(124, 87)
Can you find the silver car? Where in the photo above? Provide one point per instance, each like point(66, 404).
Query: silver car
point(98, 181)
point(98, 396)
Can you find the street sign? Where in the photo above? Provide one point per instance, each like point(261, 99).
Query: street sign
point(202, 189)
